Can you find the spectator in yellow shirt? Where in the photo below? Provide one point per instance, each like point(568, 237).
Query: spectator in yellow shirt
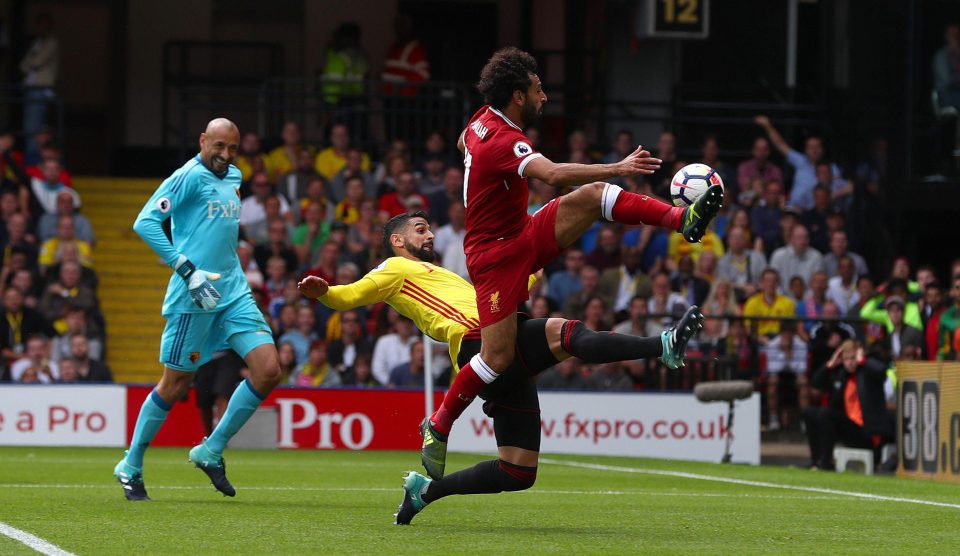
point(251, 159)
point(284, 158)
point(677, 247)
point(333, 158)
point(50, 250)
point(768, 303)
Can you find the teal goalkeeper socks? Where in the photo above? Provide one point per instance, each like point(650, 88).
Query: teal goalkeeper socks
point(153, 413)
point(244, 401)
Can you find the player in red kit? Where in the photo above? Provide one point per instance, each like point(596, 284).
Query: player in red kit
point(504, 245)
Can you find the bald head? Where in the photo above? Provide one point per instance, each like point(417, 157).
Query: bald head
point(219, 145)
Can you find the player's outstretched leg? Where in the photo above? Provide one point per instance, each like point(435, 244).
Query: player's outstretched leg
point(129, 470)
point(603, 346)
point(414, 486)
point(697, 216)
point(675, 338)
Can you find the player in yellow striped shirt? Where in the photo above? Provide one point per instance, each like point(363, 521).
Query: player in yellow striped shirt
point(443, 306)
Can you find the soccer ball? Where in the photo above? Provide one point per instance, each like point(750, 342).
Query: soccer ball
point(691, 182)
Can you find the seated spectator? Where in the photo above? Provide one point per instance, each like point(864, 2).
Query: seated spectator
point(18, 323)
point(622, 146)
point(394, 348)
point(856, 412)
point(435, 144)
point(395, 166)
point(326, 263)
point(711, 157)
point(348, 209)
point(68, 372)
point(933, 307)
point(797, 258)
point(26, 281)
point(786, 353)
point(815, 219)
point(451, 193)
point(765, 215)
point(363, 236)
point(637, 324)
point(20, 240)
point(740, 265)
point(410, 372)
point(618, 285)
point(797, 290)
point(432, 177)
point(287, 356)
point(453, 232)
point(690, 286)
point(303, 335)
point(589, 287)
point(903, 335)
point(75, 322)
point(48, 150)
point(668, 305)
point(609, 377)
point(842, 288)
point(250, 159)
point(317, 193)
point(308, 237)
point(293, 185)
point(757, 166)
point(50, 251)
point(455, 260)
point(768, 303)
point(249, 266)
point(315, 371)
point(406, 198)
point(253, 209)
point(89, 368)
point(47, 227)
point(258, 232)
point(36, 359)
point(352, 169)
point(566, 282)
point(565, 375)
point(811, 307)
point(595, 314)
point(343, 352)
point(333, 158)
point(70, 253)
point(578, 147)
point(44, 189)
point(278, 245)
point(66, 292)
point(284, 158)
point(607, 252)
point(839, 247)
point(719, 303)
point(360, 375)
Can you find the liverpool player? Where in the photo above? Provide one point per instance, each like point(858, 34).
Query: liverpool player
point(503, 245)
point(443, 305)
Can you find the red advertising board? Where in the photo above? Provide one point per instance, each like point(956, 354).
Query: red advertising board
point(331, 419)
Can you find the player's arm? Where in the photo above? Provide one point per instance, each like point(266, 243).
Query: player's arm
point(544, 169)
point(461, 146)
point(775, 137)
point(380, 284)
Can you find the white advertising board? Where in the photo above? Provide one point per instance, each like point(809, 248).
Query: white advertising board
point(41, 415)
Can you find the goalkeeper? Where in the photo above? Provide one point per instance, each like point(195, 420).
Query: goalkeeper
point(443, 306)
point(208, 304)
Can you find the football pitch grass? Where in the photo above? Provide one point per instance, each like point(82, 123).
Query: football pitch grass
point(343, 503)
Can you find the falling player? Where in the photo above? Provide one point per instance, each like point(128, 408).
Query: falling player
point(443, 305)
point(503, 244)
point(202, 201)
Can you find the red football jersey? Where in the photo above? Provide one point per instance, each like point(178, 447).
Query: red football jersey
point(494, 188)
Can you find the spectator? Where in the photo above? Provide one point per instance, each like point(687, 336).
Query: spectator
point(946, 68)
point(287, 356)
point(50, 251)
point(564, 283)
point(395, 166)
point(949, 323)
point(333, 158)
point(768, 303)
point(342, 353)
point(740, 266)
point(406, 62)
point(720, 303)
point(751, 196)
point(874, 310)
point(293, 185)
point(344, 69)
point(249, 266)
point(677, 248)
point(540, 307)
point(757, 166)
point(308, 237)
point(405, 199)
point(364, 235)
point(393, 349)
point(250, 159)
point(253, 209)
point(25, 281)
point(692, 288)
point(89, 368)
point(317, 193)
point(839, 248)
point(811, 307)
point(667, 153)
point(827, 335)
point(285, 157)
point(815, 219)
point(842, 288)
point(258, 232)
point(607, 252)
point(839, 190)
point(435, 144)
point(40, 67)
point(453, 232)
point(707, 266)
point(67, 291)
point(47, 227)
point(609, 377)
point(303, 335)
point(360, 376)
point(797, 258)
point(315, 370)
point(348, 209)
point(804, 165)
point(619, 284)
point(44, 190)
point(19, 240)
point(637, 323)
point(856, 412)
point(933, 308)
point(69, 252)
point(19, 323)
point(786, 353)
point(452, 193)
point(214, 383)
point(622, 146)
point(668, 305)
point(353, 169)
point(711, 157)
point(589, 287)
point(903, 334)
point(410, 372)
point(37, 359)
point(278, 245)
point(326, 263)
point(565, 375)
point(797, 290)
point(75, 321)
point(765, 215)
point(12, 174)
point(595, 314)
point(432, 176)
point(68, 372)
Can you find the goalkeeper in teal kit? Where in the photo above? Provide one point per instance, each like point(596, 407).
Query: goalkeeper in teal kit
point(208, 305)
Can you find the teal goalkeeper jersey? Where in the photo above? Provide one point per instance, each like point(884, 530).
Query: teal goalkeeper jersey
point(204, 213)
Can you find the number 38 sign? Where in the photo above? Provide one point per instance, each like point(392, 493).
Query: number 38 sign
point(929, 420)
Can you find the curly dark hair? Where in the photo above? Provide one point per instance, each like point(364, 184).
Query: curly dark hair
point(395, 225)
point(508, 70)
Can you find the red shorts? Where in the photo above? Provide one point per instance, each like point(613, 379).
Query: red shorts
point(501, 272)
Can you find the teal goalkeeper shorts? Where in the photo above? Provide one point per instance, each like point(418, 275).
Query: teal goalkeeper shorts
point(190, 339)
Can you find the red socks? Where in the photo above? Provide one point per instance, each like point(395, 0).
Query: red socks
point(464, 389)
point(622, 206)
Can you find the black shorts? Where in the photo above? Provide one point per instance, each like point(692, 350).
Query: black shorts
point(511, 400)
point(217, 377)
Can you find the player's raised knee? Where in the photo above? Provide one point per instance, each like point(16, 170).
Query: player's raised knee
point(516, 477)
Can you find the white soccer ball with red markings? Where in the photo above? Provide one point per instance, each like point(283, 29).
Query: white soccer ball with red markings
point(691, 182)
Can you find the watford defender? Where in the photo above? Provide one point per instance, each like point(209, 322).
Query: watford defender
point(443, 305)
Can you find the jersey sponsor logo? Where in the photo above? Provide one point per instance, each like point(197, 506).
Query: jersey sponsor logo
point(163, 205)
point(522, 149)
point(480, 129)
point(495, 302)
point(218, 209)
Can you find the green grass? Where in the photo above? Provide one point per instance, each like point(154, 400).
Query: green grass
point(341, 502)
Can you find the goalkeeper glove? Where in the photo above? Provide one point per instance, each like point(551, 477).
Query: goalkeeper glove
point(202, 292)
